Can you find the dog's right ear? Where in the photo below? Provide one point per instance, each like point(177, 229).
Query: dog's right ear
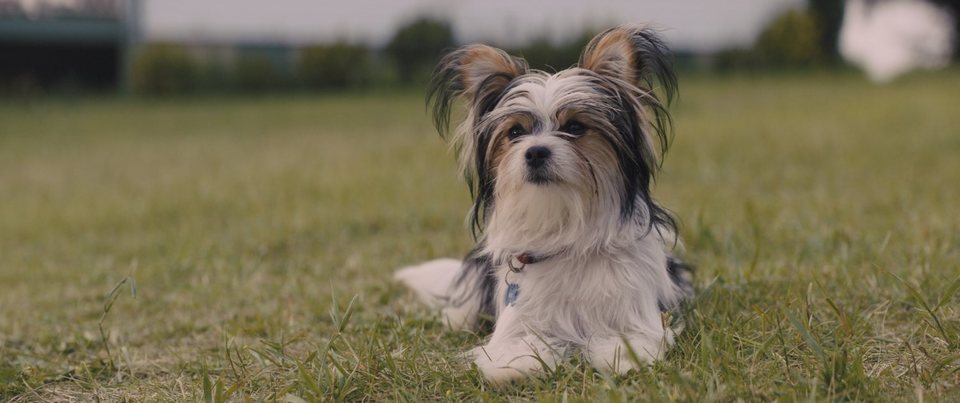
point(635, 55)
point(477, 73)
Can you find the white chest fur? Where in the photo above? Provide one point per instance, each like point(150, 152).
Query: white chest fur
point(574, 299)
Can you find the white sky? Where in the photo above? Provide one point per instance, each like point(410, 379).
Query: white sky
point(687, 24)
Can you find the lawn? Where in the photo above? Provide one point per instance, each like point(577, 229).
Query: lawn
point(242, 248)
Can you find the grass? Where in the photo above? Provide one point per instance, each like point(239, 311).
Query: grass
point(209, 249)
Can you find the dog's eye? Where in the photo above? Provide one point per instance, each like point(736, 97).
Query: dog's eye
point(516, 131)
point(574, 128)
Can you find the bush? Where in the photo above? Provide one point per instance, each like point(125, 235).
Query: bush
point(256, 73)
point(736, 59)
point(792, 39)
point(337, 65)
point(418, 46)
point(214, 76)
point(163, 68)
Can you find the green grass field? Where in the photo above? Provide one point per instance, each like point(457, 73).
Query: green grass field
point(259, 236)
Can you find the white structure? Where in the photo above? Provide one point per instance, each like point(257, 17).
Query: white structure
point(887, 38)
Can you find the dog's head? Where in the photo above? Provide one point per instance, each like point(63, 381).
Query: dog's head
point(564, 156)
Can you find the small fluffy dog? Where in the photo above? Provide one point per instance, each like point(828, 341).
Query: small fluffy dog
point(572, 251)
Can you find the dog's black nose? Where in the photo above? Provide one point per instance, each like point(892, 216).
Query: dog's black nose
point(537, 156)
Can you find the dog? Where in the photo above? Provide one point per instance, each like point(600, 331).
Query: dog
point(572, 253)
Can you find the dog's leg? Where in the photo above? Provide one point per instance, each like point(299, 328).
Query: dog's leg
point(514, 352)
point(612, 354)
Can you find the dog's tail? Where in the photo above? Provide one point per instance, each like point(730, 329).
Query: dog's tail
point(464, 289)
point(431, 281)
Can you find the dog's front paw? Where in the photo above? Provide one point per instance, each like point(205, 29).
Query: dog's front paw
point(612, 355)
point(505, 362)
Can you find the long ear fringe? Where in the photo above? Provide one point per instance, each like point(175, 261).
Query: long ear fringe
point(653, 62)
point(477, 74)
point(639, 62)
point(445, 86)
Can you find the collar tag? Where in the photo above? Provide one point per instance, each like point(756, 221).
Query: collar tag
point(513, 291)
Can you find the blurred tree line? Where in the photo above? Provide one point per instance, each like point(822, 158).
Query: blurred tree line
point(166, 68)
point(797, 39)
point(407, 59)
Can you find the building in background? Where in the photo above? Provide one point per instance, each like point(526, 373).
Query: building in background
point(65, 43)
point(91, 45)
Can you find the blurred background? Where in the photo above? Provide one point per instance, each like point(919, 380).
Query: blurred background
point(206, 199)
point(153, 47)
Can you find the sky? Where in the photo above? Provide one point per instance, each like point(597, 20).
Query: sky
point(702, 25)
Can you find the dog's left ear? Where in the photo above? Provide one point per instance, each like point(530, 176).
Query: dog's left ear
point(635, 55)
